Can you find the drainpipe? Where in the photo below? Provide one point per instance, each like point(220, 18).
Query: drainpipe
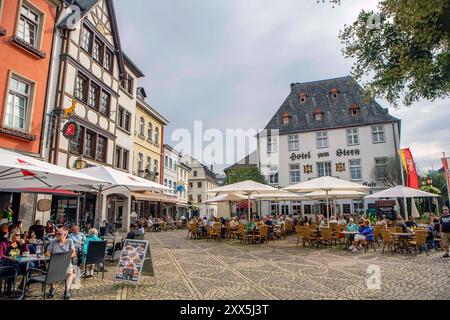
point(50, 69)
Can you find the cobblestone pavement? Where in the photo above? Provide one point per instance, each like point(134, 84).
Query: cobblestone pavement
point(197, 269)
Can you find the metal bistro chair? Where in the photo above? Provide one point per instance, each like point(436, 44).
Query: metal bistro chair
point(9, 274)
point(56, 272)
point(95, 256)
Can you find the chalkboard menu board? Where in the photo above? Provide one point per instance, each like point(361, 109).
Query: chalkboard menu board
point(387, 209)
point(131, 261)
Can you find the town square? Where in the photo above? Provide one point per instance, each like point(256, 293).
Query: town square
point(224, 151)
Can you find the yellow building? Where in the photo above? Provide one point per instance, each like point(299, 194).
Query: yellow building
point(148, 140)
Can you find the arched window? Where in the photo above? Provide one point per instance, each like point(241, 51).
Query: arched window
point(157, 135)
point(150, 132)
point(142, 127)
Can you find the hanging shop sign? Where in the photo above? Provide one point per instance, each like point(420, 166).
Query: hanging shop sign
point(71, 130)
point(347, 153)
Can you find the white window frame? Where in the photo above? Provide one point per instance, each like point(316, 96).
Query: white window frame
point(352, 167)
point(293, 142)
point(352, 137)
point(378, 165)
point(274, 175)
point(40, 24)
point(377, 132)
point(321, 137)
point(272, 144)
point(142, 127)
point(324, 169)
point(150, 132)
point(140, 164)
point(29, 101)
point(294, 173)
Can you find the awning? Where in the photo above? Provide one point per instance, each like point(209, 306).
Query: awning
point(47, 191)
point(151, 197)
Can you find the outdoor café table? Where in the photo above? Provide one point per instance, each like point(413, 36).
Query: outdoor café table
point(252, 233)
point(27, 260)
point(403, 238)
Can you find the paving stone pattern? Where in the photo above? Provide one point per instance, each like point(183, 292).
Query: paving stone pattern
point(197, 269)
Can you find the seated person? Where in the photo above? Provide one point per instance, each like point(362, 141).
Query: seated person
point(352, 227)
point(50, 229)
point(411, 223)
point(401, 223)
point(365, 234)
point(381, 221)
point(132, 232)
point(38, 229)
point(252, 225)
point(234, 224)
point(77, 237)
point(140, 228)
point(92, 236)
point(61, 244)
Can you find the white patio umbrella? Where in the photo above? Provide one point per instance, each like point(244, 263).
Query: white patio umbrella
point(117, 181)
point(278, 196)
point(341, 194)
point(327, 185)
point(401, 192)
point(22, 172)
point(335, 195)
point(230, 197)
point(247, 188)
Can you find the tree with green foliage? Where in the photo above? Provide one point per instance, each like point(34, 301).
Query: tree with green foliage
point(403, 48)
point(240, 174)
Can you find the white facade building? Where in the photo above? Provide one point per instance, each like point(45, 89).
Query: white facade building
point(325, 128)
point(201, 179)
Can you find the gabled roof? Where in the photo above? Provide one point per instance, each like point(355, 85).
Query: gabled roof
point(133, 67)
point(335, 110)
point(85, 6)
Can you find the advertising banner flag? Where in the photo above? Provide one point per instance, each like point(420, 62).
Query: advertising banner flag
point(410, 167)
point(446, 163)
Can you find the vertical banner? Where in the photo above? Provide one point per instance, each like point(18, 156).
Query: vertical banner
point(410, 167)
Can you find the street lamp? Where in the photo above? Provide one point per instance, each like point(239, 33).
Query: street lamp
point(80, 164)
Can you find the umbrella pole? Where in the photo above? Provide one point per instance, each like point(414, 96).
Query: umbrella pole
point(249, 209)
point(328, 206)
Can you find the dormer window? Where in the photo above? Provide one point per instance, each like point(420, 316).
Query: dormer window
point(355, 110)
point(302, 97)
point(318, 114)
point(286, 118)
point(334, 93)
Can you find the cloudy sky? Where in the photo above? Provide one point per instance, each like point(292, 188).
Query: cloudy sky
point(229, 63)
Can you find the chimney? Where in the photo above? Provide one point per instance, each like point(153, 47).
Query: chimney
point(212, 168)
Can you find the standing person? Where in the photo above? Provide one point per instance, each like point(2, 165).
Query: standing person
point(445, 230)
point(62, 245)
